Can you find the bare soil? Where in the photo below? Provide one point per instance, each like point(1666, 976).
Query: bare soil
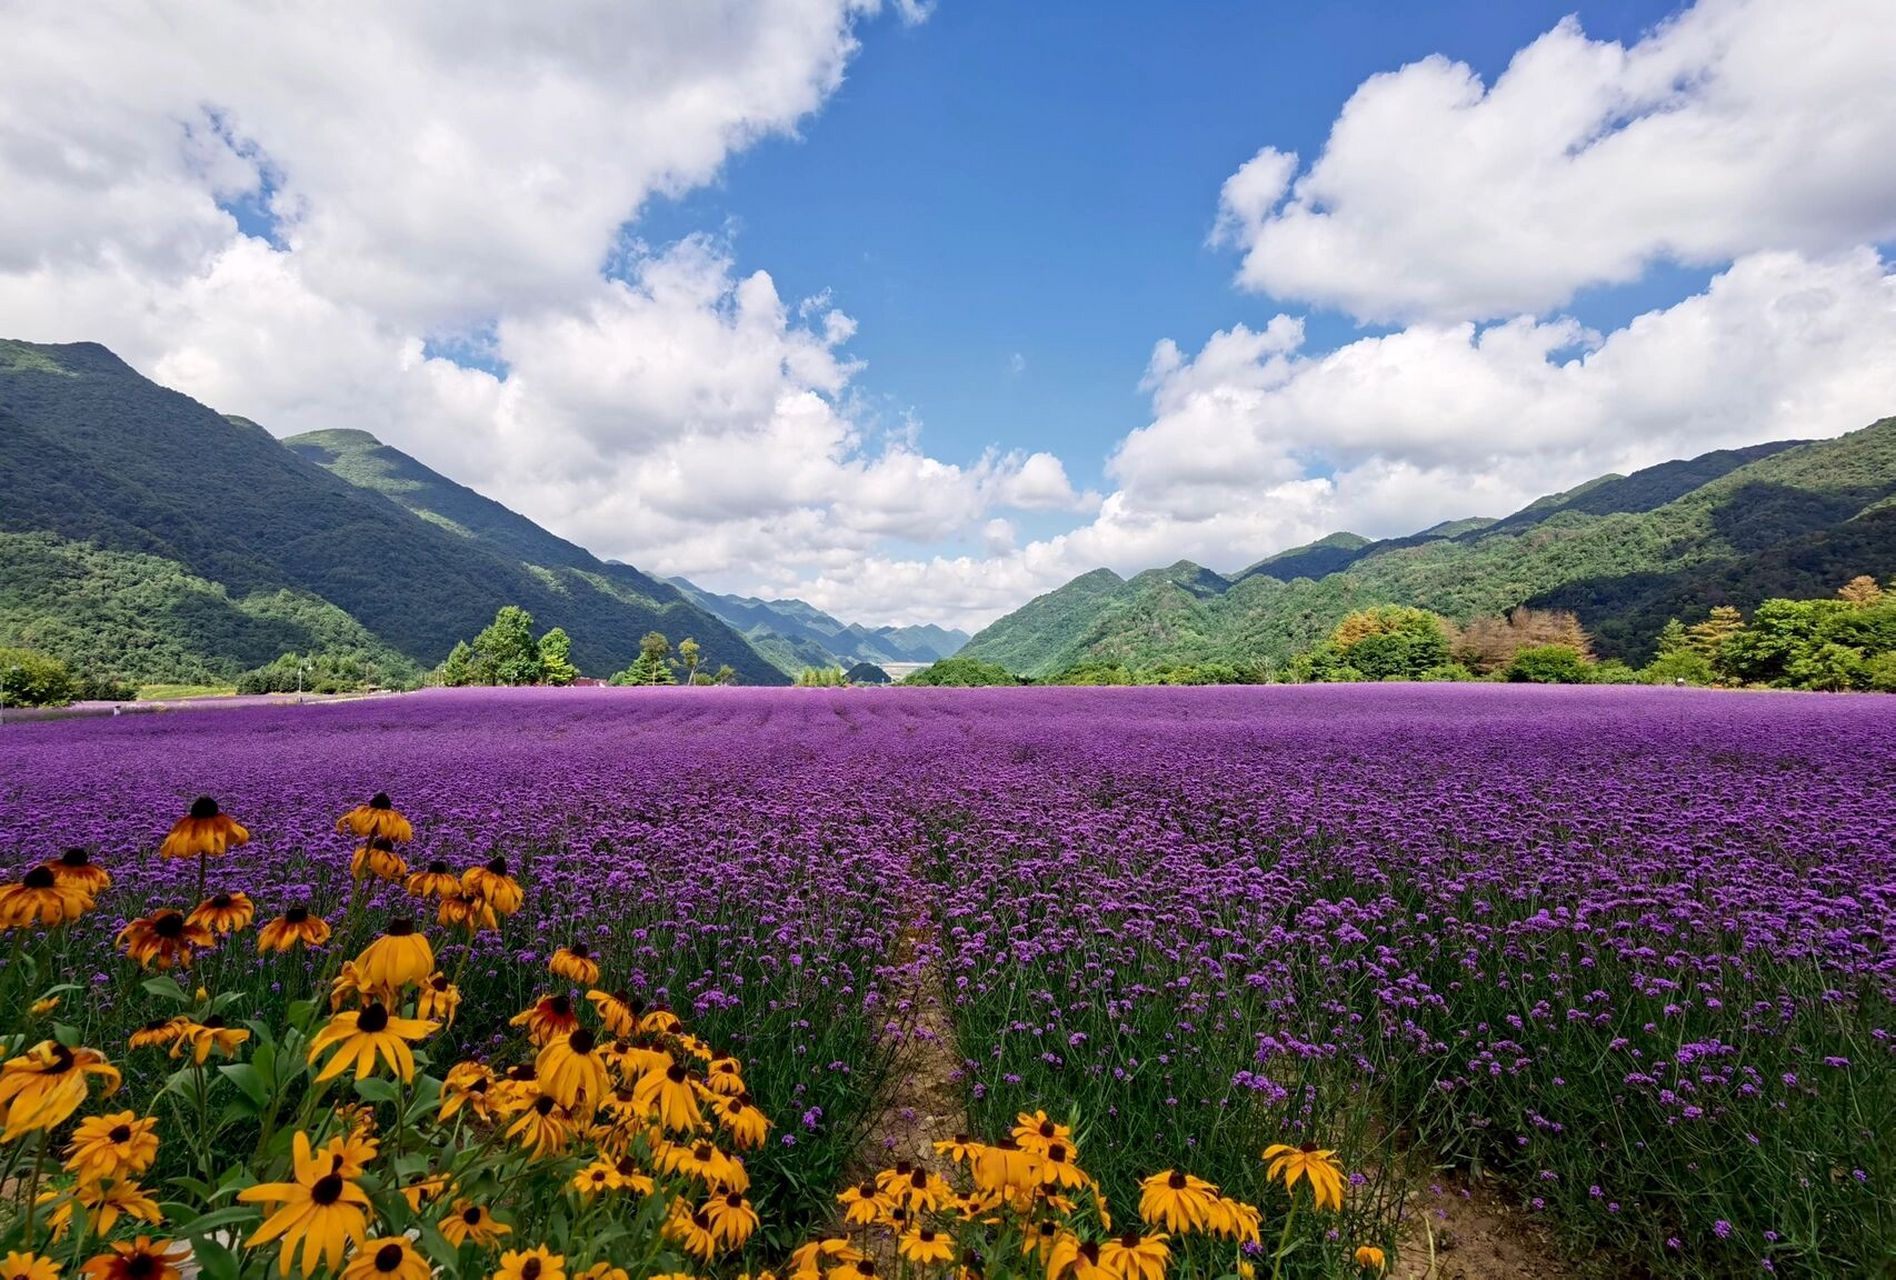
point(1457, 1230)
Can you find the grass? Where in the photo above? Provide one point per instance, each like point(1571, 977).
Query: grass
point(173, 692)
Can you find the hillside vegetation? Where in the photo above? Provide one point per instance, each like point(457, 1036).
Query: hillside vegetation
point(150, 537)
point(1624, 553)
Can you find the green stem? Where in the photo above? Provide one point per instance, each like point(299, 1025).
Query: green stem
point(32, 1186)
point(1283, 1240)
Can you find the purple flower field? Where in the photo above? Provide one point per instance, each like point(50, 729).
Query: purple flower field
point(1631, 948)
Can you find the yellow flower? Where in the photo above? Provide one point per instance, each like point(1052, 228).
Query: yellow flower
point(549, 1018)
point(1068, 1255)
point(1057, 1167)
point(294, 926)
point(378, 860)
point(202, 1037)
point(731, 1216)
point(162, 939)
point(104, 1202)
point(75, 867)
point(437, 880)
point(570, 1069)
point(1370, 1258)
point(669, 1090)
point(203, 832)
point(1135, 1257)
point(467, 1085)
point(387, 1258)
point(1004, 1166)
point(426, 1191)
point(44, 1085)
point(576, 963)
point(28, 1266)
point(1177, 1201)
point(862, 1204)
point(349, 1153)
point(224, 912)
point(119, 1145)
point(40, 1008)
point(605, 1271)
point(439, 999)
point(743, 1121)
point(376, 818)
point(40, 897)
point(958, 1149)
point(472, 1222)
point(399, 958)
point(158, 1033)
point(463, 912)
point(362, 1036)
point(1234, 1220)
point(1034, 1131)
point(531, 1264)
point(140, 1259)
point(690, 1231)
point(1319, 1164)
point(492, 885)
point(544, 1127)
point(924, 1247)
point(703, 1161)
point(321, 1210)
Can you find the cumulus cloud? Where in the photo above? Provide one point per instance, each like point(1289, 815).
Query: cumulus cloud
point(1737, 126)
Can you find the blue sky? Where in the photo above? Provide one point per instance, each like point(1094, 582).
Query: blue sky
point(1466, 254)
point(1040, 180)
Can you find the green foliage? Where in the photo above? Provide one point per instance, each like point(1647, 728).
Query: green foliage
point(168, 542)
point(556, 658)
point(328, 673)
point(1392, 642)
point(962, 672)
point(653, 666)
point(1447, 673)
point(506, 647)
point(1682, 664)
point(866, 673)
point(821, 678)
point(1548, 664)
point(29, 679)
point(688, 658)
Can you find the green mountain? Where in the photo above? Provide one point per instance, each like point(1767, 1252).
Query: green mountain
point(147, 536)
point(1624, 552)
point(795, 635)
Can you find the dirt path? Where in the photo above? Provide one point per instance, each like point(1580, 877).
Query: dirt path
point(922, 1104)
point(1457, 1231)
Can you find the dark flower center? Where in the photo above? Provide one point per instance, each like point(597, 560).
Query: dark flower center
point(1057, 1153)
point(327, 1189)
point(1049, 1229)
point(471, 1215)
point(530, 1269)
point(120, 1133)
point(544, 1106)
point(220, 901)
point(75, 858)
point(925, 1236)
point(214, 1023)
point(1090, 1252)
point(581, 1041)
point(675, 1074)
point(169, 925)
point(438, 868)
point(1176, 1182)
point(381, 844)
point(141, 1265)
point(380, 800)
point(373, 1019)
point(401, 927)
point(961, 1139)
point(919, 1179)
point(627, 1166)
point(735, 1199)
point(701, 1152)
point(388, 1257)
point(1047, 1129)
point(61, 1063)
point(439, 982)
point(903, 1168)
point(1129, 1241)
point(580, 951)
point(559, 1006)
point(38, 878)
point(1309, 1148)
point(867, 1190)
point(497, 865)
point(203, 807)
point(296, 915)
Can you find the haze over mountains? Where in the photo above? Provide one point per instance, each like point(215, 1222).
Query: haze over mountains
point(1624, 552)
point(795, 635)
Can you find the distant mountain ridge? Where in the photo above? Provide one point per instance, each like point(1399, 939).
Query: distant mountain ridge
point(1625, 552)
point(147, 536)
point(795, 635)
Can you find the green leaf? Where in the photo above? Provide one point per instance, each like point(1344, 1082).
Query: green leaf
point(249, 1081)
point(209, 1222)
point(166, 987)
point(215, 1262)
point(373, 1090)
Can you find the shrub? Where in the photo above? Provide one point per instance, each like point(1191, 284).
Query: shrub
point(30, 679)
point(1549, 664)
point(962, 672)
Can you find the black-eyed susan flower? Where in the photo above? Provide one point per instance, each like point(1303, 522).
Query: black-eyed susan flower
point(47, 1083)
point(690, 1229)
point(376, 858)
point(1071, 1256)
point(814, 1255)
point(615, 1010)
point(659, 1021)
point(1135, 1257)
point(1177, 1201)
point(958, 1149)
point(467, 1085)
point(926, 1247)
point(571, 1070)
point(606, 1271)
point(742, 1119)
point(862, 1203)
point(295, 926)
point(349, 1153)
point(139, 1259)
point(547, 1018)
point(1058, 1167)
point(459, 911)
point(377, 819)
point(1287, 1164)
point(43, 1006)
point(1234, 1220)
point(426, 1191)
point(157, 1033)
point(538, 1263)
point(543, 1128)
point(363, 1037)
point(120, 1145)
point(162, 939)
point(387, 1258)
point(576, 963)
point(1005, 1166)
point(42, 898)
point(596, 1178)
point(76, 867)
point(224, 912)
point(105, 1202)
point(204, 832)
point(733, 1218)
point(1370, 1258)
point(722, 1074)
point(436, 880)
point(438, 999)
point(472, 1224)
point(28, 1266)
point(349, 984)
point(320, 1210)
point(399, 958)
point(492, 884)
point(670, 1094)
point(703, 1161)
point(1034, 1131)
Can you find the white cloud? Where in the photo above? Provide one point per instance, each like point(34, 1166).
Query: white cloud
point(1738, 126)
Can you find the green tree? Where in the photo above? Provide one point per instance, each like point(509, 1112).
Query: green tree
point(688, 657)
point(653, 666)
point(556, 658)
point(820, 678)
point(1672, 638)
point(507, 647)
point(1323, 664)
point(1708, 638)
point(1680, 664)
point(461, 667)
point(962, 673)
point(1548, 664)
point(1392, 642)
point(29, 679)
point(725, 674)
